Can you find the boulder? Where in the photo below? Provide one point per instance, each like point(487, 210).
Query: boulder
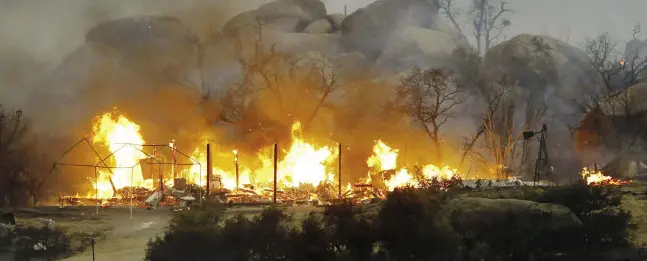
point(299, 12)
point(416, 46)
point(326, 44)
point(351, 65)
point(156, 46)
point(476, 213)
point(321, 26)
point(550, 71)
point(369, 29)
point(336, 21)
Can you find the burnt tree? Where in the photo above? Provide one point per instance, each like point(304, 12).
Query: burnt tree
point(430, 98)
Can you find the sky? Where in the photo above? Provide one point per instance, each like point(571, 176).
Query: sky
point(47, 31)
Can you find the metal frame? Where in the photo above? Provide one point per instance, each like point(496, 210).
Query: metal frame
point(101, 164)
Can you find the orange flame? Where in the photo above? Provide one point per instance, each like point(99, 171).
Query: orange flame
point(116, 132)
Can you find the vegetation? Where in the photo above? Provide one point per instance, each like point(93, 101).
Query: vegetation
point(406, 226)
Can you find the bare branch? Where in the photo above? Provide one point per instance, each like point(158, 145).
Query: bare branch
point(428, 97)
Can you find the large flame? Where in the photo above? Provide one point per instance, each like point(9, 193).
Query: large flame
point(124, 141)
point(305, 163)
point(384, 158)
point(597, 178)
point(302, 164)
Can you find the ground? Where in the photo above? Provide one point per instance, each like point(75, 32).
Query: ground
point(635, 200)
point(125, 238)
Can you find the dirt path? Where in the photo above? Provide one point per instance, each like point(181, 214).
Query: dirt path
point(127, 241)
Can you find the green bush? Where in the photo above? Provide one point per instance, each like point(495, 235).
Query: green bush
point(406, 227)
point(605, 224)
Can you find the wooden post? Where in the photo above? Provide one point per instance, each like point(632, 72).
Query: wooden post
point(276, 152)
point(339, 172)
point(209, 170)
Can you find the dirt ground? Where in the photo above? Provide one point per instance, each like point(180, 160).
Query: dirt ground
point(126, 240)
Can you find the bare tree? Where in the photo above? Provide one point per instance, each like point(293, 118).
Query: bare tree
point(488, 21)
point(430, 98)
point(267, 72)
point(493, 95)
point(502, 136)
point(16, 160)
point(615, 71)
point(452, 12)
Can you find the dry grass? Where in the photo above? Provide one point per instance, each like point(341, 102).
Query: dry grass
point(77, 225)
point(635, 201)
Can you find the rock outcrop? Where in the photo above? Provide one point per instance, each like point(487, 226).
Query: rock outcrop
point(416, 46)
point(321, 26)
point(291, 15)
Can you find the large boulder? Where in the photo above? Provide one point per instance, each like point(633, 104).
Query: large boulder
point(293, 15)
point(552, 79)
point(321, 26)
point(336, 20)
point(544, 64)
point(152, 45)
point(370, 29)
point(352, 65)
point(476, 213)
point(327, 44)
point(121, 61)
point(416, 46)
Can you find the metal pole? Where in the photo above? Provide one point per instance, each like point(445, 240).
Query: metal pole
point(276, 152)
point(96, 188)
point(92, 240)
point(339, 174)
point(131, 193)
point(209, 170)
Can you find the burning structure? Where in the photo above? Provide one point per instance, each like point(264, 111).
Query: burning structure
point(302, 172)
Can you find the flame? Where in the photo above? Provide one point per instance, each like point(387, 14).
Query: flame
point(384, 158)
point(302, 164)
point(305, 163)
point(622, 62)
point(597, 178)
point(115, 132)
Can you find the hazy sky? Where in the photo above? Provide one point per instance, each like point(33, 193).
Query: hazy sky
point(49, 30)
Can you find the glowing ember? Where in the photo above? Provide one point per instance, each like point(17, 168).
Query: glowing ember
point(114, 132)
point(597, 178)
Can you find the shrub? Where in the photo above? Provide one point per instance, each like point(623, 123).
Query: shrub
point(605, 224)
point(43, 243)
point(407, 227)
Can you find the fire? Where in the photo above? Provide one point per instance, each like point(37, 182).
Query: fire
point(115, 132)
point(597, 178)
point(302, 164)
point(384, 158)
